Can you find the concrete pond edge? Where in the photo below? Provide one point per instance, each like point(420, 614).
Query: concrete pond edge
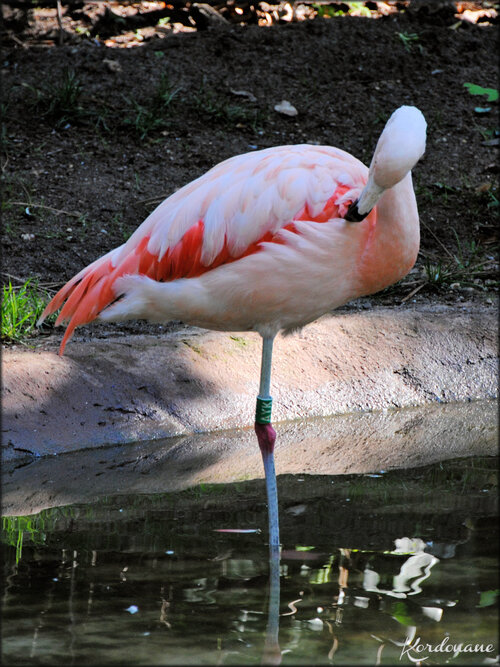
point(136, 388)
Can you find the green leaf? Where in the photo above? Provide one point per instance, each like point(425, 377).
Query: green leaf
point(488, 598)
point(474, 89)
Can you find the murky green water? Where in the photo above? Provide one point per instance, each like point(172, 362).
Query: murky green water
point(368, 562)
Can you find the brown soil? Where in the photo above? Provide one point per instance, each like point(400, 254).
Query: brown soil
point(79, 177)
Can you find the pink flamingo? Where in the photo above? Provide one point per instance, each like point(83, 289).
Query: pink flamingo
point(267, 241)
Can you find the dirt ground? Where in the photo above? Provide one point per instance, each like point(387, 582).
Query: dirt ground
point(100, 128)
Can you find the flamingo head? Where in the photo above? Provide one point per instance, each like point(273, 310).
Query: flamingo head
point(399, 148)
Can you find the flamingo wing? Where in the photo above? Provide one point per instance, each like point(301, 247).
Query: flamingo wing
point(218, 218)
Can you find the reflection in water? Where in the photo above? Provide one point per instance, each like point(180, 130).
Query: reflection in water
point(272, 652)
point(147, 580)
point(413, 571)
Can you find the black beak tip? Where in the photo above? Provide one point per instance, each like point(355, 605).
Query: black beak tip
point(353, 214)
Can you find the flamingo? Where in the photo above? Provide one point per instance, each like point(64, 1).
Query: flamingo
point(267, 241)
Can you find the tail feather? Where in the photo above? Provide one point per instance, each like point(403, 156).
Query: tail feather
point(71, 285)
point(85, 311)
point(92, 290)
point(82, 296)
point(58, 299)
point(76, 294)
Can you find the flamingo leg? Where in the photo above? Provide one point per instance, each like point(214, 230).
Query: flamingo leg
point(266, 436)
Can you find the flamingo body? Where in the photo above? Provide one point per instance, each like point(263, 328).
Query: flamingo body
point(259, 243)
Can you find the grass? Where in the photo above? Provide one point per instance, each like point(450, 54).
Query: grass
point(143, 120)
point(207, 102)
point(409, 40)
point(13, 186)
point(156, 112)
point(64, 103)
point(58, 102)
point(34, 526)
point(117, 226)
point(21, 308)
point(459, 259)
point(4, 136)
point(493, 202)
point(488, 134)
point(14, 528)
point(464, 268)
point(469, 266)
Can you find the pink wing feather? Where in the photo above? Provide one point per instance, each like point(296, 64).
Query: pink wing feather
point(220, 217)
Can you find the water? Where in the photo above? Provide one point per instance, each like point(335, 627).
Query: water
point(368, 562)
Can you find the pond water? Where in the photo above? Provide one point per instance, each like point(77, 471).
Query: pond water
point(368, 563)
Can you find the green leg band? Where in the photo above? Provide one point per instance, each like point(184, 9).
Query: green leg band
point(263, 410)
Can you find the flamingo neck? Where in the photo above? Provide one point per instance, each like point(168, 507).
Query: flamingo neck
point(393, 239)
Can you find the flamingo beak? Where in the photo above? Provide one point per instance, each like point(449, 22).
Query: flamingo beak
point(353, 214)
